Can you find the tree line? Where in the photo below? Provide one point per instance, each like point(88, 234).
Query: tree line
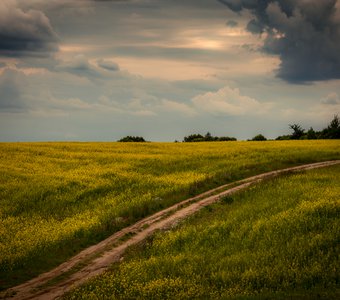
point(207, 138)
point(332, 131)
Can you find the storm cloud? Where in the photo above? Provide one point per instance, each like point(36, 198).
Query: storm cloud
point(25, 32)
point(305, 35)
point(108, 65)
point(82, 67)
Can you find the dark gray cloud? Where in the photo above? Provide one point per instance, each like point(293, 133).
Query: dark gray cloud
point(305, 34)
point(107, 65)
point(231, 23)
point(82, 67)
point(25, 32)
point(79, 66)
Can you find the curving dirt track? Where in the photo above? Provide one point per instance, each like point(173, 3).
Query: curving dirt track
point(96, 259)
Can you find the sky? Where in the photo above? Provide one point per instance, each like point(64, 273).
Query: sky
point(99, 70)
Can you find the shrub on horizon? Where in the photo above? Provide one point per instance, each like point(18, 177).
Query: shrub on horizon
point(135, 139)
point(259, 137)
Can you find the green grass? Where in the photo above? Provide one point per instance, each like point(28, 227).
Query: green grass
point(279, 239)
point(57, 198)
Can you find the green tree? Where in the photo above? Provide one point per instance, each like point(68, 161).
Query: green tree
point(194, 138)
point(298, 131)
point(334, 128)
point(129, 138)
point(311, 134)
point(208, 137)
point(259, 137)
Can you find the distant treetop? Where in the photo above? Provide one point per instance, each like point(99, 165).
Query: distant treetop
point(207, 138)
point(259, 137)
point(129, 138)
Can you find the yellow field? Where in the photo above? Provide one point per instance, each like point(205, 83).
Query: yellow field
point(278, 239)
point(56, 198)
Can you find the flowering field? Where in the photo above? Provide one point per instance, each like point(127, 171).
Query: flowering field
point(276, 240)
point(57, 198)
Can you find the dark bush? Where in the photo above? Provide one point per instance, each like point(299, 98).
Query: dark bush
point(194, 138)
point(134, 139)
point(207, 138)
point(226, 139)
point(259, 137)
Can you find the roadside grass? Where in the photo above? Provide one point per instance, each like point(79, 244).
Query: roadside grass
point(279, 239)
point(58, 198)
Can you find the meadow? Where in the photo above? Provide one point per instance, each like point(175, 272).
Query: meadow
point(277, 240)
point(58, 198)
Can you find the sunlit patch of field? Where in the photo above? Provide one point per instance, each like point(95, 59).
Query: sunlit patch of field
point(57, 198)
point(276, 240)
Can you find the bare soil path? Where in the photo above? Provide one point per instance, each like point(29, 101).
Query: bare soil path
point(98, 258)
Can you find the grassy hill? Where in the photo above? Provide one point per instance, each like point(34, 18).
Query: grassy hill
point(278, 239)
point(57, 198)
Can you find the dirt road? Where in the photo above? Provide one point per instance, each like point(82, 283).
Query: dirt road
point(96, 259)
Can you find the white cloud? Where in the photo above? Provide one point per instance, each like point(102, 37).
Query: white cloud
point(230, 102)
point(70, 104)
point(173, 106)
point(331, 99)
point(327, 107)
point(142, 113)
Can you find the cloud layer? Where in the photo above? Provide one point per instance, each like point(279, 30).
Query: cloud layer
point(228, 101)
point(100, 70)
point(305, 34)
